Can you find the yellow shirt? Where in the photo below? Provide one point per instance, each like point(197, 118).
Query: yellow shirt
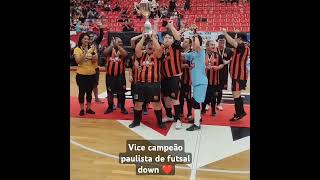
point(87, 67)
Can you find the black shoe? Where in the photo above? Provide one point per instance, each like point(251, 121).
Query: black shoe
point(193, 128)
point(124, 111)
point(145, 112)
point(89, 111)
point(162, 126)
point(81, 112)
point(192, 121)
point(134, 124)
point(238, 117)
point(213, 113)
point(109, 110)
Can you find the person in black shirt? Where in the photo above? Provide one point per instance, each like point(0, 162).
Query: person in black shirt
point(225, 53)
point(127, 26)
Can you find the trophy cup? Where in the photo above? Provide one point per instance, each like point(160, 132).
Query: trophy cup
point(145, 9)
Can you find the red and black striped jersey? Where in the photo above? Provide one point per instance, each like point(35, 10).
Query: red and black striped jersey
point(115, 64)
point(186, 76)
point(238, 65)
point(149, 71)
point(171, 64)
point(213, 75)
point(134, 69)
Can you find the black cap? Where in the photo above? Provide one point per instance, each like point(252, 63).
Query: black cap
point(221, 36)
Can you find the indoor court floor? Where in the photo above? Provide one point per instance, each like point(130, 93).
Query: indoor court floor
point(218, 152)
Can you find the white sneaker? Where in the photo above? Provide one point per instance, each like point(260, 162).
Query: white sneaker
point(207, 107)
point(178, 124)
point(167, 119)
point(219, 107)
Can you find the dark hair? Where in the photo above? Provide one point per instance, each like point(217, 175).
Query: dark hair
point(242, 36)
point(82, 35)
point(200, 39)
point(168, 32)
point(190, 40)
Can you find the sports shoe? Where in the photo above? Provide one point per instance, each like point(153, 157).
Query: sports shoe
point(238, 117)
point(89, 111)
point(109, 110)
point(207, 107)
point(81, 112)
point(124, 111)
point(193, 127)
point(166, 119)
point(178, 124)
point(134, 124)
point(219, 107)
point(162, 126)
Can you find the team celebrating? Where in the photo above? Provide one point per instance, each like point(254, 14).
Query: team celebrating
point(166, 74)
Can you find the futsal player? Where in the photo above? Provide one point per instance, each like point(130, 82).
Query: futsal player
point(238, 71)
point(198, 78)
point(171, 71)
point(148, 83)
point(185, 92)
point(226, 54)
point(115, 74)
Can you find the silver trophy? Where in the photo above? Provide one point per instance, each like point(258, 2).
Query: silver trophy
point(145, 10)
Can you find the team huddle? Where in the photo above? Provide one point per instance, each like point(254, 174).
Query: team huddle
point(167, 75)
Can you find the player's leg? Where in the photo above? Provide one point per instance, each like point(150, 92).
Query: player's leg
point(237, 86)
point(110, 89)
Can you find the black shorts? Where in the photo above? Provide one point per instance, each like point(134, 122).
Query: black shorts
point(238, 85)
point(85, 81)
point(147, 92)
point(223, 77)
point(171, 87)
point(96, 78)
point(115, 84)
point(185, 91)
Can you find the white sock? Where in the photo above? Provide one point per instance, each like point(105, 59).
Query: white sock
point(197, 116)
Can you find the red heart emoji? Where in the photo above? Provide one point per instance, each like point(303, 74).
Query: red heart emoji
point(167, 168)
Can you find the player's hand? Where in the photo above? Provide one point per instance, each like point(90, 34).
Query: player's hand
point(88, 56)
point(224, 30)
point(130, 79)
point(215, 68)
point(185, 66)
point(170, 23)
point(156, 20)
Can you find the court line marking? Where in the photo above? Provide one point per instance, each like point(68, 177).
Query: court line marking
point(179, 167)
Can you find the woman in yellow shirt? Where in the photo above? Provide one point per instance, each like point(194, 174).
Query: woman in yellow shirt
point(86, 58)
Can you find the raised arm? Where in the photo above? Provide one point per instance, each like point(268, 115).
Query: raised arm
point(174, 31)
point(230, 40)
point(196, 44)
point(133, 40)
point(158, 49)
point(138, 49)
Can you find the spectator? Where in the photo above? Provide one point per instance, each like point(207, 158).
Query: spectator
point(187, 5)
point(127, 26)
point(117, 7)
point(107, 6)
point(164, 12)
point(90, 14)
point(172, 6)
